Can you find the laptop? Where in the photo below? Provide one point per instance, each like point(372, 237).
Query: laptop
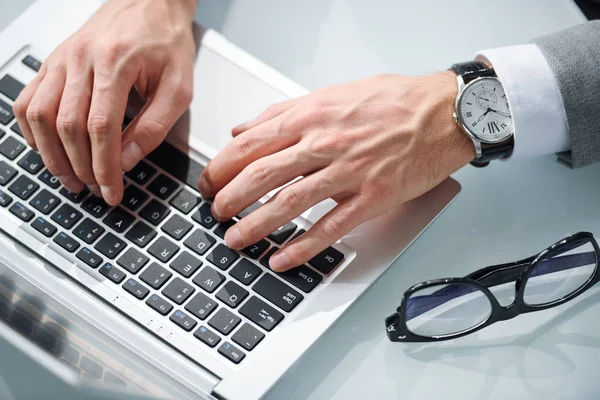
point(145, 299)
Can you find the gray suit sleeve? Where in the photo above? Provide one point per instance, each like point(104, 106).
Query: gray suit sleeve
point(574, 57)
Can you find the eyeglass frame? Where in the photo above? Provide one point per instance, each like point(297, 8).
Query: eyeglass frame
point(395, 324)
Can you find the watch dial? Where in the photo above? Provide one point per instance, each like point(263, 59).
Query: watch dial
point(484, 110)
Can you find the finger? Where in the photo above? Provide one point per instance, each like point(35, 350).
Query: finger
point(22, 103)
point(286, 205)
point(259, 178)
point(145, 133)
point(260, 141)
point(270, 113)
point(41, 116)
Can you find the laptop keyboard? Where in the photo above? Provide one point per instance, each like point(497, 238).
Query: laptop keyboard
point(162, 245)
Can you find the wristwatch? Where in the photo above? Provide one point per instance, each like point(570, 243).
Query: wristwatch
point(482, 112)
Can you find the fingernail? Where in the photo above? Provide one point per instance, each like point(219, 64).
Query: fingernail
point(204, 187)
point(110, 196)
point(216, 212)
point(131, 155)
point(233, 239)
point(279, 262)
point(74, 185)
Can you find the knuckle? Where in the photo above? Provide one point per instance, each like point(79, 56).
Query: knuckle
point(244, 145)
point(69, 126)
point(260, 174)
point(334, 227)
point(326, 144)
point(98, 124)
point(79, 47)
point(111, 53)
point(20, 107)
point(38, 114)
point(292, 201)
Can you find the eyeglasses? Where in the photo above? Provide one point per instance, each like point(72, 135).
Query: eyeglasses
point(449, 308)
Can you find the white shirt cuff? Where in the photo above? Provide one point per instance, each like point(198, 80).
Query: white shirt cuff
point(533, 97)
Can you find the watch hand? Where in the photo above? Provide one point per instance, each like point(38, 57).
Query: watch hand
point(502, 113)
point(484, 114)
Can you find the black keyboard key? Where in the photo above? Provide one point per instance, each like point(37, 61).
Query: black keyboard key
point(31, 162)
point(163, 249)
point(136, 289)
point(201, 306)
point(261, 313)
point(49, 179)
point(177, 227)
point(204, 216)
point(23, 187)
point(10, 87)
point(2, 133)
point(231, 352)
point(74, 197)
point(163, 187)
point(45, 202)
point(183, 320)
point(141, 173)
point(252, 207)
point(232, 294)
point(177, 163)
point(24, 213)
point(44, 227)
point(32, 63)
point(223, 227)
point(6, 113)
point(185, 201)
point(5, 199)
point(95, 206)
point(207, 336)
point(7, 173)
point(277, 292)
point(66, 216)
point(209, 279)
point(224, 321)
point(110, 245)
point(16, 129)
point(257, 249)
point(11, 148)
point(327, 260)
point(155, 212)
point(248, 336)
point(199, 242)
point(112, 273)
point(222, 256)
point(159, 304)
point(302, 277)
point(119, 220)
point(89, 257)
point(66, 242)
point(91, 368)
point(265, 259)
point(186, 264)
point(283, 232)
point(134, 197)
point(88, 231)
point(155, 276)
point(132, 260)
point(178, 291)
point(245, 271)
point(140, 234)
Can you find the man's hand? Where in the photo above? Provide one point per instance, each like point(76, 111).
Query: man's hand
point(370, 145)
point(73, 110)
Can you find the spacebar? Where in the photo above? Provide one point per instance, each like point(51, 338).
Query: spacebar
point(177, 163)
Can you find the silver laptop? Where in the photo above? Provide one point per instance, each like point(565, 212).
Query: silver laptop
point(145, 298)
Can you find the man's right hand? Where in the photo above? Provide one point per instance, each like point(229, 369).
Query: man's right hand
point(72, 111)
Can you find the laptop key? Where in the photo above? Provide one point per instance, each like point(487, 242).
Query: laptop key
point(207, 336)
point(231, 352)
point(232, 294)
point(265, 259)
point(177, 163)
point(49, 179)
point(277, 292)
point(119, 220)
point(32, 63)
point(223, 227)
point(302, 277)
point(199, 242)
point(201, 306)
point(133, 261)
point(11, 148)
point(95, 206)
point(159, 304)
point(185, 201)
point(249, 209)
point(6, 113)
point(31, 162)
point(155, 276)
point(10, 87)
point(112, 273)
point(163, 187)
point(89, 257)
point(209, 279)
point(140, 234)
point(66, 216)
point(16, 129)
point(183, 320)
point(135, 288)
point(257, 249)
point(45, 202)
point(177, 227)
point(23, 187)
point(74, 197)
point(5, 199)
point(163, 249)
point(261, 313)
point(110, 245)
point(7, 173)
point(248, 336)
point(66, 242)
point(186, 264)
point(44, 227)
point(88, 231)
point(141, 173)
point(327, 260)
point(222, 256)
point(245, 271)
point(283, 233)
point(134, 197)
point(224, 321)
point(24, 213)
point(204, 216)
point(178, 291)
point(155, 212)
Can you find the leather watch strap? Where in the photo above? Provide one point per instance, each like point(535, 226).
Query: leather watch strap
point(471, 70)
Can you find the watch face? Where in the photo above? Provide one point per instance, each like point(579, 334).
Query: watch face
point(483, 110)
